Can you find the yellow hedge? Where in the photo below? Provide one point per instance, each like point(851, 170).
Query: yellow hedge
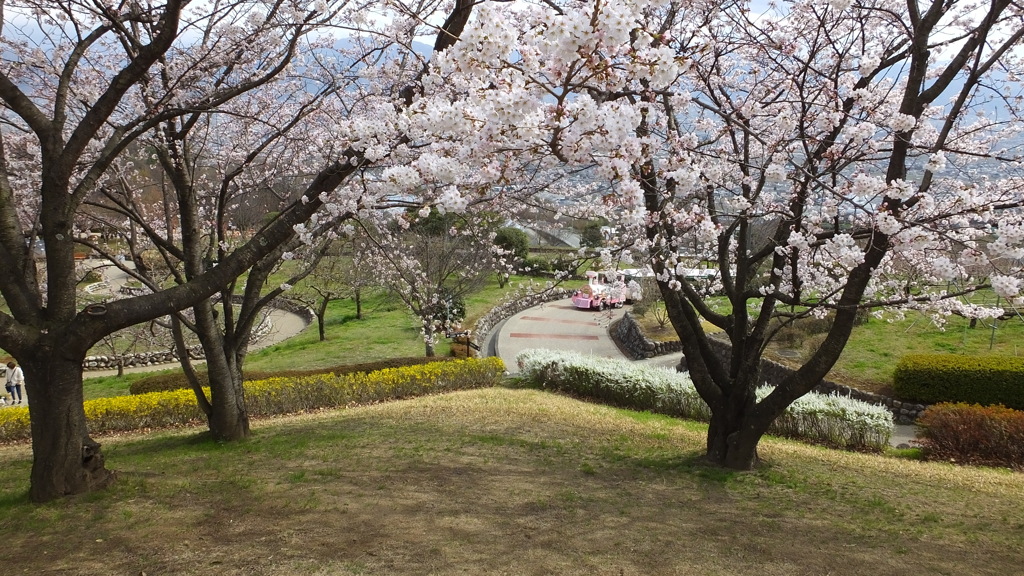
point(274, 396)
point(14, 423)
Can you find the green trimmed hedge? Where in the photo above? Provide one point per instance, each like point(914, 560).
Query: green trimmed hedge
point(177, 380)
point(985, 380)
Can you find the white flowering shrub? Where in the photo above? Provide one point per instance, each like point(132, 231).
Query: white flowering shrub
point(617, 382)
point(831, 419)
point(835, 420)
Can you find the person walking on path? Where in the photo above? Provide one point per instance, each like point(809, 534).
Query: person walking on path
point(15, 382)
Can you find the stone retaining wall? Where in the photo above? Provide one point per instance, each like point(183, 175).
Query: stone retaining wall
point(631, 338)
point(111, 362)
point(138, 359)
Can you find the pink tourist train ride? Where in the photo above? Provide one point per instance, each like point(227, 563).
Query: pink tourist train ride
point(598, 296)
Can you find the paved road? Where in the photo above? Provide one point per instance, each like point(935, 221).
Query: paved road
point(557, 325)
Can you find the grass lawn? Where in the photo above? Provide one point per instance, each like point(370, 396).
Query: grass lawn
point(874, 349)
point(109, 386)
point(387, 330)
point(504, 481)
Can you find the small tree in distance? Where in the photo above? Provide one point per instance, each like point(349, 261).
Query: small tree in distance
point(342, 273)
point(515, 249)
point(591, 235)
point(431, 261)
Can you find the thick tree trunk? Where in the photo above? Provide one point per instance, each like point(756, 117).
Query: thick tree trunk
point(228, 418)
point(66, 461)
point(736, 428)
point(732, 440)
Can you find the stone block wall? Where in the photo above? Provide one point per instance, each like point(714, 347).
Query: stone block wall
point(139, 359)
point(111, 362)
point(632, 340)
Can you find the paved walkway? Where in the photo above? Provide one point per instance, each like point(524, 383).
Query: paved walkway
point(285, 325)
point(557, 325)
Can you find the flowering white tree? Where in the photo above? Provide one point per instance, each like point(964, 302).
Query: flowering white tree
point(833, 159)
point(208, 166)
point(830, 158)
point(432, 261)
point(81, 83)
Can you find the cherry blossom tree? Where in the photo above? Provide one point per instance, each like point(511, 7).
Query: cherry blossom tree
point(834, 159)
point(829, 158)
point(208, 164)
point(81, 83)
point(342, 271)
point(431, 261)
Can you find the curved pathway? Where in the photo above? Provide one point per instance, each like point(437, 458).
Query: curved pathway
point(559, 325)
point(284, 324)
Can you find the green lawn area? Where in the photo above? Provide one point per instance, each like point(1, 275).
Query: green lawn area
point(876, 346)
point(505, 481)
point(387, 330)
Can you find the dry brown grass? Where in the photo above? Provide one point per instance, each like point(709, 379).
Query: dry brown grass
point(507, 482)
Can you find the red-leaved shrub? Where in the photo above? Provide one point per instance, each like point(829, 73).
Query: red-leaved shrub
point(973, 434)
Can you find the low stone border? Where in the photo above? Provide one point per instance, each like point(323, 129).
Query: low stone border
point(631, 338)
point(138, 359)
point(111, 362)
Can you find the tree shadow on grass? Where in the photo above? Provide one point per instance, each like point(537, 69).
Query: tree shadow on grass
point(694, 464)
point(158, 444)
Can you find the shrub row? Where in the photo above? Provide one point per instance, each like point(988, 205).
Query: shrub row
point(973, 434)
point(177, 380)
point(831, 419)
point(985, 380)
point(278, 395)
